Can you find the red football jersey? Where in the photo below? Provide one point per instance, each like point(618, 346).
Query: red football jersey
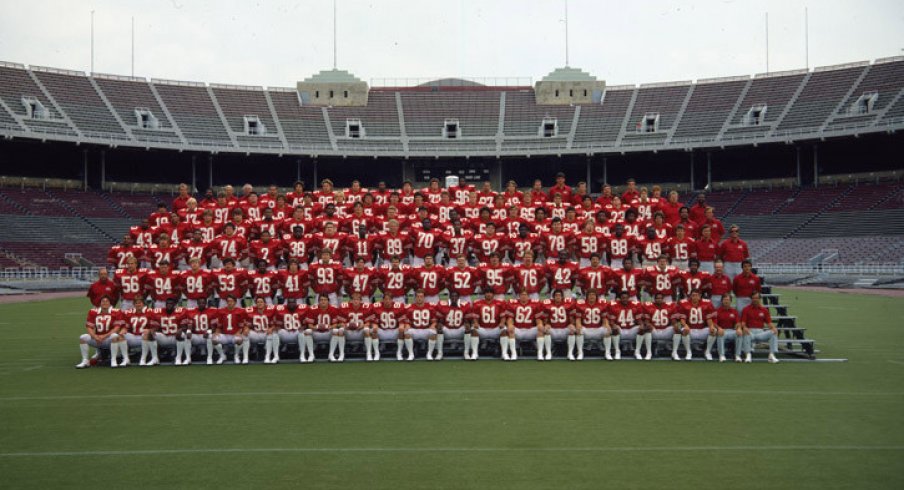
point(230, 283)
point(260, 321)
point(485, 245)
point(660, 315)
point(590, 243)
point(432, 280)
point(695, 316)
point(298, 249)
point(130, 283)
point(262, 284)
point(595, 278)
point(104, 321)
point(682, 249)
point(463, 281)
point(363, 281)
point(629, 281)
point(293, 284)
point(234, 247)
point(525, 315)
point(529, 278)
point(495, 278)
point(232, 321)
point(457, 243)
point(420, 316)
point(169, 323)
point(519, 246)
point(453, 316)
point(362, 247)
point(690, 281)
point(325, 278)
point(488, 314)
point(355, 314)
point(140, 321)
point(424, 242)
point(395, 282)
point(394, 245)
point(322, 318)
point(119, 255)
point(290, 320)
point(554, 243)
point(157, 254)
point(269, 252)
point(591, 315)
point(160, 286)
point(334, 242)
point(619, 247)
point(559, 315)
point(387, 317)
point(626, 316)
point(196, 284)
point(561, 276)
point(665, 281)
point(190, 249)
point(202, 322)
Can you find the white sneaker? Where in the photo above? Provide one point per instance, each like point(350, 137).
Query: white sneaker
point(505, 356)
point(721, 358)
point(429, 356)
point(648, 356)
point(178, 361)
point(688, 356)
point(154, 362)
point(340, 359)
point(266, 359)
point(221, 360)
point(142, 362)
point(399, 356)
point(514, 356)
point(186, 362)
point(580, 356)
point(548, 356)
point(245, 361)
point(570, 356)
point(708, 356)
point(737, 359)
point(473, 356)
point(85, 363)
point(439, 356)
point(608, 356)
point(332, 358)
point(113, 363)
point(617, 354)
point(376, 356)
point(125, 362)
point(411, 356)
point(369, 357)
point(772, 359)
point(209, 361)
point(749, 358)
point(274, 360)
point(637, 355)
point(539, 356)
point(237, 360)
point(675, 356)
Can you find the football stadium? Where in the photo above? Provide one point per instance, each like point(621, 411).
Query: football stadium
point(552, 281)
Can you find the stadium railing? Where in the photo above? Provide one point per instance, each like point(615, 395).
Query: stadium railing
point(44, 273)
point(860, 269)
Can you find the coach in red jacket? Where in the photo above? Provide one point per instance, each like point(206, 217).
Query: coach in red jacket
point(104, 286)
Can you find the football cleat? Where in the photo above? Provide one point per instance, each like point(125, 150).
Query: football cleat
point(570, 356)
point(209, 361)
point(142, 362)
point(608, 356)
point(708, 356)
point(429, 356)
point(772, 359)
point(580, 355)
point(617, 354)
point(749, 358)
point(85, 363)
point(675, 356)
point(376, 355)
point(648, 356)
point(113, 363)
point(721, 358)
point(439, 356)
point(688, 356)
point(637, 355)
point(245, 361)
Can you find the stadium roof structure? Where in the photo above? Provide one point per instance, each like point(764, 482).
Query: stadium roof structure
point(48, 104)
point(568, 74)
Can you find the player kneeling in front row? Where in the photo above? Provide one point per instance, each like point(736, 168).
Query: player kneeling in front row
point(695, 318)
point(525, 322)
point(103, 325)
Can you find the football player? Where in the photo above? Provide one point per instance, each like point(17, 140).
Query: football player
point(103, 325)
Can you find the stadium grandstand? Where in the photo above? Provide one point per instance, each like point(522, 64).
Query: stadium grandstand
point(804, 161)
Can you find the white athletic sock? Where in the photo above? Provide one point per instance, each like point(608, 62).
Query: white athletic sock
point(179, 348)
point(186, 348)
point(114, 351)
point(440, 340)
point(504, 343)
point(246, 346)
point(676, 340)
point(638, 341)
point(268, 348)
point(144, 350)
point(540, 345)
point(309, 346)
point(375, 344)
point(341, 343)
point(84, 349)
point(431, 344)
point(570, 342)
point(409, 344)
point(607, 344)
point(368, 344)
point(400, 344)
point(686, 340)
point(648, 340)
point(276, 343)
point(209, 348)
point(152, 344)
point(475, 343)
point(579, 343)
point(300, 337)
point(709, 343)
point(333, 343)
point(547, 339)
point(467, 353)
point(616, 342)
point(219, 349)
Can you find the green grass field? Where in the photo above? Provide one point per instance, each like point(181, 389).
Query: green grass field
point(487, 424)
